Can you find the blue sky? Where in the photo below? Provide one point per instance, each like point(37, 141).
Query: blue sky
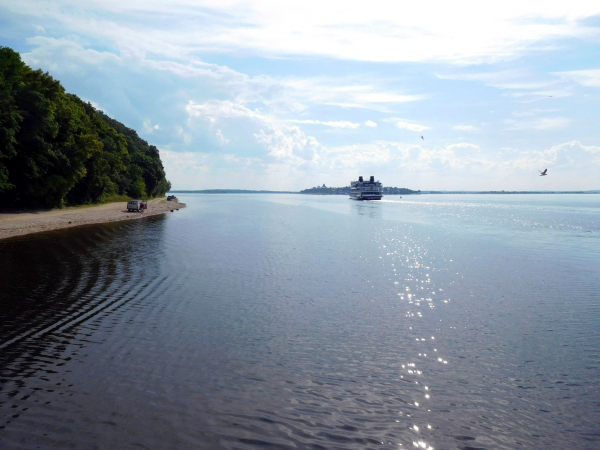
point(288, 95)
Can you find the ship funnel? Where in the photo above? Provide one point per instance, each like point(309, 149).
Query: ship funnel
point(372, 179)
point(360, 179)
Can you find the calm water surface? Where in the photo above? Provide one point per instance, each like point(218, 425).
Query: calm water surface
point(288, 321)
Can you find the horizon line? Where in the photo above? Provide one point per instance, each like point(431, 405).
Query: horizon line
point(427, 191)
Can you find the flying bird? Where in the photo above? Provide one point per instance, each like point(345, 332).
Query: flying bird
point(543, 174)
point(422, 138)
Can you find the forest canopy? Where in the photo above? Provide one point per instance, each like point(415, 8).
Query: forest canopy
point(57, 150)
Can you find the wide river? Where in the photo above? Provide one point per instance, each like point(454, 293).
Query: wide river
point(293, 322)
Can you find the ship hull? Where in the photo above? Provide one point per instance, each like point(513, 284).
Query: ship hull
point(365, 197)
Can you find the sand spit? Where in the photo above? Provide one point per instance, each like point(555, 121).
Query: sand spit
point(27, 222)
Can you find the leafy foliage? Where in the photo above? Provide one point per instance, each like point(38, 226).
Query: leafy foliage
point(57, 150)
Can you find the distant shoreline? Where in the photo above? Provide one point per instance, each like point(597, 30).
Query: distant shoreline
point(243, 191)
point(230, 191)
point(510, 192)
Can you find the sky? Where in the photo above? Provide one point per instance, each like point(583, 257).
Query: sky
point(286, 95)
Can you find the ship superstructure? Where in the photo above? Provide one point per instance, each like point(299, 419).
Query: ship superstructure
point(366, 190)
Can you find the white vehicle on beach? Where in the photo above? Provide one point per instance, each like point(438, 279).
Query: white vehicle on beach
point(136, 205)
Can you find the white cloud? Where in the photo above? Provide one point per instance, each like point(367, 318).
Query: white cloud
point(148, 127)
point(221, 138)
point(590, 78)
point(542, 123)
point(381, 31)
point(390, 156)
point(184, 136)
point(504, 79)
point(534, 112)
point(534, 96)
point(64, 55)
point(214, 109)
point(279, 94)
point(333, 124)
point(288, 142)
point(345, 93)
point(295, 151)
point(411, 126)
point(568, 156)
point(93, 103)
point(281, 141)
point(370, 124)
point(178, 163)
point(194, 68)
point(460, 165)
point(464, 128)
point(384, 97)
point(520, 83)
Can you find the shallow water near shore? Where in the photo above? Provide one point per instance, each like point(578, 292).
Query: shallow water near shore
point(291, 321)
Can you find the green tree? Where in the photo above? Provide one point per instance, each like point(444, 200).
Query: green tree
point(56, 149)
point(11, 68)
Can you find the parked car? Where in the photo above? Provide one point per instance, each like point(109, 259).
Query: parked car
point(171, 197)
point(136, 205)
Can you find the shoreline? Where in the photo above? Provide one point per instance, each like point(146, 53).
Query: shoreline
point(38, 221)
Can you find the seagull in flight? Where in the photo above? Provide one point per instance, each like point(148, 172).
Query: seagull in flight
point(422, 138)
point(543, 174)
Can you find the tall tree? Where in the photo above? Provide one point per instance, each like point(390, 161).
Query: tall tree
point(56, 149)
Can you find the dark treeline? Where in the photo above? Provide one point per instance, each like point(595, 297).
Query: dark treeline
point(57, 150)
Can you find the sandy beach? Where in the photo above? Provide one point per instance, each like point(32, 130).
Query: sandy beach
point(36, 221)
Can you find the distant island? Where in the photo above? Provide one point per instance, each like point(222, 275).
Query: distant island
point(231, 191)
point(324, 190)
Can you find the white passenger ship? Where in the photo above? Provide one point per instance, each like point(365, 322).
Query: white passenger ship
point(366, 190)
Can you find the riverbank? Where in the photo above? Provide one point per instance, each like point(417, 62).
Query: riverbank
point(35, 221)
